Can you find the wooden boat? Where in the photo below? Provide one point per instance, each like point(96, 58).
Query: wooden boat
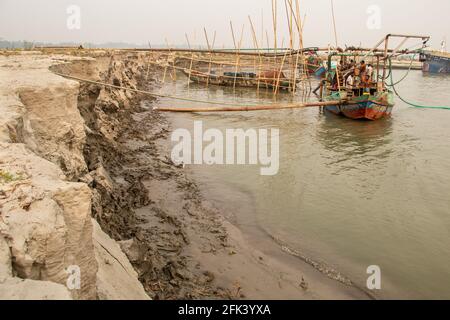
point(266, 79)
point(367, 107)
point(362, 94)
point(313, 63)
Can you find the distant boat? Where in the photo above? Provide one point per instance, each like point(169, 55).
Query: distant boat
point(313, 62)
point(436, 61)
point(266, 80)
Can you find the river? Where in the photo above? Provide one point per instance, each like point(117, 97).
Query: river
point(350, 194)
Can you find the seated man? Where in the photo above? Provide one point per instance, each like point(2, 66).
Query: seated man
point(350, 81)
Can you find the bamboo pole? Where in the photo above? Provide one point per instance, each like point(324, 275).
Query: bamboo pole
point(300, 47)
point(279, 69)
point(378, 72)
point(148, 63)
point(289, 18)
point(300, 25)
point(253, 34)
point(213, 44)
point(279, 74)
point(252, 108)
point(240, 46)
point(165, 70)
point(306, 64)
point(255, 40)
point(262, 27)
point(191, 63)
point(174, 76)
point(294, 58)
point(274, 22)
point(210, 55)
point(237, 54)
point(334, 23)
point(275, 36)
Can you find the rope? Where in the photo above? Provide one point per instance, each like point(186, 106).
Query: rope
point(404, 77)
point(143, 91)
point(407, 102)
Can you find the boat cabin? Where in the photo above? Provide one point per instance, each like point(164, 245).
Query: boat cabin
point(355, 74)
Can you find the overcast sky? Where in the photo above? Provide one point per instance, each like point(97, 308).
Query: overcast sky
point(140, 21)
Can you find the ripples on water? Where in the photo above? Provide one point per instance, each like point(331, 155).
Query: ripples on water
point(350, 193)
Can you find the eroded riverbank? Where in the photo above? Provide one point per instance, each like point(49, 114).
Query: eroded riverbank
point(180, 244)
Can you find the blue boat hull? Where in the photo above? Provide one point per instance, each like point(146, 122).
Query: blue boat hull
point(436, 64)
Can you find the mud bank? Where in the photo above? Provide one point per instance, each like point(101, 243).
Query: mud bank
point(50, 247)
point(92, 151)
point(140, 197)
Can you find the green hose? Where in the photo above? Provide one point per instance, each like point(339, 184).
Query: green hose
point(404, 77)
point(400, 97)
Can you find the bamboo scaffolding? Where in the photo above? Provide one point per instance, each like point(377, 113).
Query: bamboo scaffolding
point(224, 76)
point(287, 68)
point(228, 63)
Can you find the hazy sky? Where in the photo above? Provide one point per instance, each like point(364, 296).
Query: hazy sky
point(140, 21)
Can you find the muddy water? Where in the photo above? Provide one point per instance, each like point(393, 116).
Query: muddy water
point(350, 194)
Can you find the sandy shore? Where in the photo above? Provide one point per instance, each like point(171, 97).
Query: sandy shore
point(180, 245)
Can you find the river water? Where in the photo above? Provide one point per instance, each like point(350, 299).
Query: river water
point(350, 194)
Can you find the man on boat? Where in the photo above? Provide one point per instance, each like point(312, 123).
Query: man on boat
point(363, 66)
point(350, 81)
point(357, 75)
point(369, 73)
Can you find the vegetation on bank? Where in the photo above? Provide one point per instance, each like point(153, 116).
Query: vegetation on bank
point(7, 177)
